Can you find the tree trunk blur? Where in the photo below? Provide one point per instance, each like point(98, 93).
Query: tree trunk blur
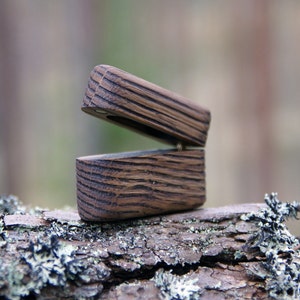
point(254, 90)
point(11, 114)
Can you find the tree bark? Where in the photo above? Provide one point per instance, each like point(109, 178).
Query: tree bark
point(56, 255)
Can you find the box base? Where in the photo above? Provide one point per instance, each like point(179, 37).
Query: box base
point(137, 184)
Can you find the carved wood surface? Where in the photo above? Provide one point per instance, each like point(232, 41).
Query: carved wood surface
point(204, 248)
point(124, 99)
point(142, 183)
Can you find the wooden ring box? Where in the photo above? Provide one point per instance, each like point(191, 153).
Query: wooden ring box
point(136, 184)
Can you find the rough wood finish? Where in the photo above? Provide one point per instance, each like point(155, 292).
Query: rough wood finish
point(120, 260)
point(136, 184)
point(127, 100)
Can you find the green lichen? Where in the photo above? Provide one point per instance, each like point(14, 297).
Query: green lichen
point(174, 287)
point(44, 263)
point(74, 231)
point(238, 255)
point(1, 229)
point(279, 246)
point(10, 204)
point(51, 262)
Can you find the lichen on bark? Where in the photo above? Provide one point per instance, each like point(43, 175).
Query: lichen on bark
point(279, 246)
point(151, 258)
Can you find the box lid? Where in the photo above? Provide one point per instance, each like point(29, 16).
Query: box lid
point(129, 101)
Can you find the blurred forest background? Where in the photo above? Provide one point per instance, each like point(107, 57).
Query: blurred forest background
point(240, 59)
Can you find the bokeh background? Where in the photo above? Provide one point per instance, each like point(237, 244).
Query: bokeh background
point(238, 58)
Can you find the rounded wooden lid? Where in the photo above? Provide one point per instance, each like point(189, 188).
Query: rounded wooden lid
point(129, 101)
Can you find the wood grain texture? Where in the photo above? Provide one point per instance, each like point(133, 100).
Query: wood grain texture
point(132, 102)
point(135, 184)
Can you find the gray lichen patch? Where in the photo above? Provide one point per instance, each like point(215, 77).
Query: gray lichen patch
point(174, 287)
point(10, 204)
point(43, 263)
point(51, 263)
point(280, 248)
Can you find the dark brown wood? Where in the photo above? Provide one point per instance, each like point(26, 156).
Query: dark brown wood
point(121, 260)
point(136, 184)
point(124, 99)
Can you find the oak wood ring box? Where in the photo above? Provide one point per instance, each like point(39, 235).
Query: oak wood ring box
point(136, 184)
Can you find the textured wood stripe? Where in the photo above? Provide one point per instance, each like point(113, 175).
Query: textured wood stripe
point(148, 115)
point(141, 120)
point(115, 171)
point(157, 94)
point(136, 98)
point(154, 116)
point(111, 187)
point(110, 183)
point(144, 107)
point(138, 117)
